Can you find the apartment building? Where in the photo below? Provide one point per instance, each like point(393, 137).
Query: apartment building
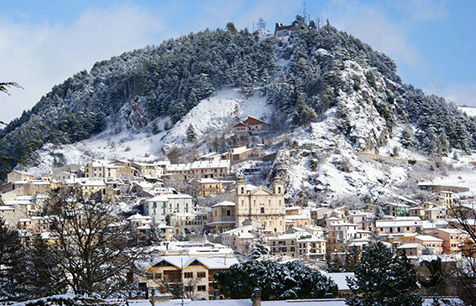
point(163, 205)
point(453, 239)
point(298, 246)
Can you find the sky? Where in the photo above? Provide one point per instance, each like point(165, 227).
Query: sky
point(42, 43)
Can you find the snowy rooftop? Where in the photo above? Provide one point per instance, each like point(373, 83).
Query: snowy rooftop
point(224, 203)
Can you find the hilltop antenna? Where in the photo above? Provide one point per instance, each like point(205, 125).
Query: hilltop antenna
point(304, 9)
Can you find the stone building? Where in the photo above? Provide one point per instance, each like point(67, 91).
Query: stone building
point(261, 204)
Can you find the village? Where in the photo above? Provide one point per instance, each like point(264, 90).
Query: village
point(209, 218)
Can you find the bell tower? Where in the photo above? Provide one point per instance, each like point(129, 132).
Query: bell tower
point(278, 185)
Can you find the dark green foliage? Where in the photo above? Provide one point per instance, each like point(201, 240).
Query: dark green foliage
point(191, 135)
point(276, 281)
point(383, 279)
point(11, 263)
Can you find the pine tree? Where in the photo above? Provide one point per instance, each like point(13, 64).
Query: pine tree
point(383, 279)
point(191, 135)
point(260, 248)
point(156, 236)
point(11, 263)
point(303, 113)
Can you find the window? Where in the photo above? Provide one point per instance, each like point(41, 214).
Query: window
point(279, 189)
point(189, 288)
point(188, 275)
point(242, 190)
point(201, 288)
point(201, 274)
point(228, 212)
point(262, 210)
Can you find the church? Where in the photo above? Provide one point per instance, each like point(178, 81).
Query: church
point(261, 204)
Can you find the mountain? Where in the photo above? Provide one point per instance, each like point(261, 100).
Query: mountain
point(327, 95)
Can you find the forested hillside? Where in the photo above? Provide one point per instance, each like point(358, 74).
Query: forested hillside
point(302, 75)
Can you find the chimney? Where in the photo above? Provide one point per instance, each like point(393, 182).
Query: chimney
point(256, 297)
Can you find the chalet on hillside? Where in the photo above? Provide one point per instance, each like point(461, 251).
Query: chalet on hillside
point(250, 126)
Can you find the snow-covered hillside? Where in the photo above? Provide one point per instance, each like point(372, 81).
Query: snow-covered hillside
point(210, 117)
point(470, 111)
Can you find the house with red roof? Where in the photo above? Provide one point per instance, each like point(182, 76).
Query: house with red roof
point(250, 126)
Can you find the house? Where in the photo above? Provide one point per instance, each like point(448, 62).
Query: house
point(210, 186)
point(261, 204)
point(16, 176)
point(194, 273)
point(239, 153)
point(251, 126)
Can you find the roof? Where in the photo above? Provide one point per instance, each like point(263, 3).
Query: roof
point(340, 279)
point(253, 121)
point(428, 238)
point(409, 246)
point(209, 261)
point(224, 203)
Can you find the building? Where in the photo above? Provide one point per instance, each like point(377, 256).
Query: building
point(165, 205)
point(148, 171)
point(189, 223)
point(251, 126)
point(261, 204)
point(453, 239)
point(398, 227)
point(298, 245)
point(222, 217)
point(396, 209)
point(210, 186)
point(341, 234)
point(194, 273)
point(16, 176)
point(201, 169)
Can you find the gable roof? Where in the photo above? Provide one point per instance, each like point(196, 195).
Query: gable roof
point(253, 121)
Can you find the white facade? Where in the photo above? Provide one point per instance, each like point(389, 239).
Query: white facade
point(168, 204)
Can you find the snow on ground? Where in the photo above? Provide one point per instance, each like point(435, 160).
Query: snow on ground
point(214, 113)
point(470, 111)
point(210, 116)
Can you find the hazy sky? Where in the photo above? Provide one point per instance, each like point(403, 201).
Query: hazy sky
point(44, 42)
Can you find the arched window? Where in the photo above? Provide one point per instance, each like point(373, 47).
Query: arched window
point(279, 189)
point(242, 190)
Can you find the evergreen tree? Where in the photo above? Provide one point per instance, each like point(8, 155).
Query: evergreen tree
point(260, 248)
point(11, 263)
point(156, 236)
point(383, 279)
point(303, 113)
point(191, 135)
point(230, 26)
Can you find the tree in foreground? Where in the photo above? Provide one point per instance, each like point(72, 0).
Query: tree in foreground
point(383, 279)
point(93, 250)
point(276, 281)
point(464, 278)
point(260, 248)
point(10, 262)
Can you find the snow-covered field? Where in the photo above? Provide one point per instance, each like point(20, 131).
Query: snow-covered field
point(208, 118)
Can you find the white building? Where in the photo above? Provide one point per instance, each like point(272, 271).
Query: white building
point(168, 204)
